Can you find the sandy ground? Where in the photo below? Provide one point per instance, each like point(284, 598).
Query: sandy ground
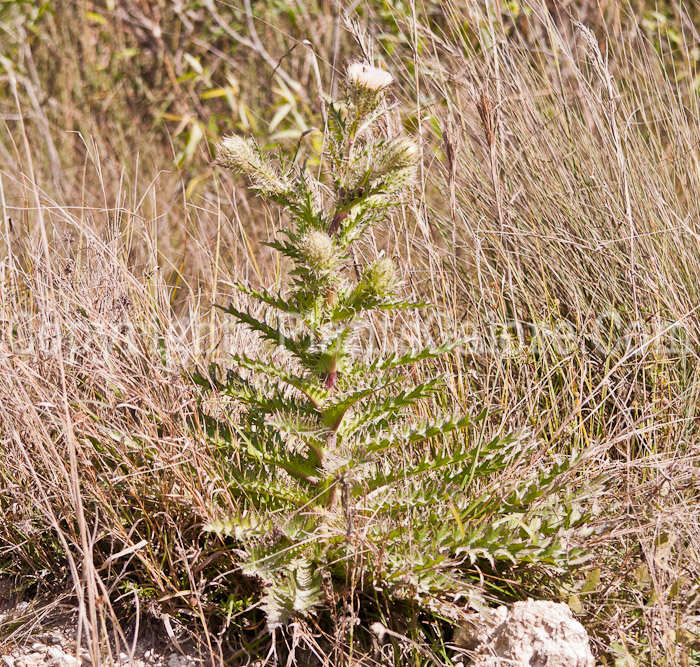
point(43, 635)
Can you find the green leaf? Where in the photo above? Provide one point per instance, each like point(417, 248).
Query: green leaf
point(297, 466)
point(353, 307)
point(314, 391)
point(274, 300)
point(413, 356)
point(426, 466)
point(381, 413)
point(279, 116)
point(299, 348)
point(592, 580)
point(419, 433)
point(335, 410)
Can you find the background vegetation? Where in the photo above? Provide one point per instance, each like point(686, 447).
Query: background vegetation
point(555, 224)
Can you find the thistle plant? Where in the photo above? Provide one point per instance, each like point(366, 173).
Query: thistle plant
point(317, 434)
point(325, 424)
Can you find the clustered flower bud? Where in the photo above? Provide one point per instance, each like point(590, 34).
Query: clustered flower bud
point(400, 152)
point(365, 85)
point(240, 156)
point(384, 168)
point(381, 278)
point(396, 165)
point(398, 180)
point(319, 251)
point(314, 191)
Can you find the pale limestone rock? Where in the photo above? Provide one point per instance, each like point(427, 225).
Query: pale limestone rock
point(531, 634)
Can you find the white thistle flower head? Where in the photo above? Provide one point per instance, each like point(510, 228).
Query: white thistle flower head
point(366, 85)
point(319, 251)
point(364, 75)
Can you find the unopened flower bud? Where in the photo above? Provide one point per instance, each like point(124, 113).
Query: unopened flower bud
point(395, 166)
point(237, 154)
point(380, 277)
point(401, 179)
point(240, 156)
point(402, 152)
point(319, 251)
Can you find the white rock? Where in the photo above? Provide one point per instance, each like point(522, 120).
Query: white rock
point(61, 659)
point(535, 634)
point(477, 628)
point(32, 660)
point(54, 652)
point(175, 660)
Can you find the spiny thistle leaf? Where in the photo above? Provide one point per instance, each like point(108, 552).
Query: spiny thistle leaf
point(273, 300)
point(333, 412)
point(419, 433)
point(414, 356)
point(428, 465)
point(302, 468)
point(293, 587)
point(316, 393)
point(268, 332)
point(268, 399)
point(390, 408)
point(355, 305)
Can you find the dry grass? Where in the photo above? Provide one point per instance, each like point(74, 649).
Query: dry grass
point(556, 222)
